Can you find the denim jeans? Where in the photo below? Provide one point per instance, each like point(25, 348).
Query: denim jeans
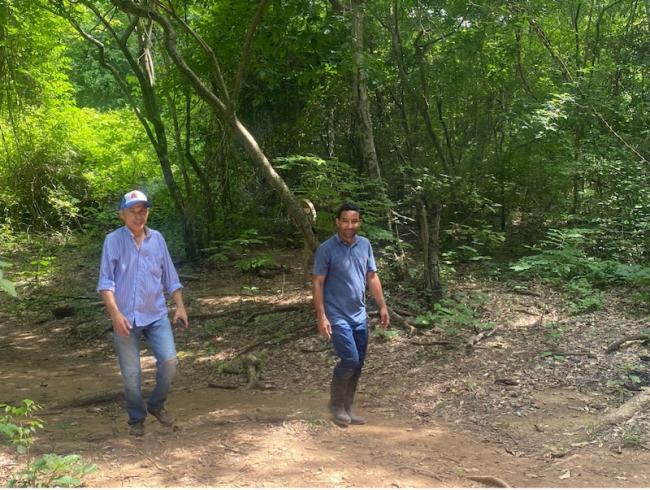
point(161, 342)
point(351, 344)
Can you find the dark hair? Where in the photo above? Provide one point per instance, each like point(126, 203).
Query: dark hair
point(348, 206)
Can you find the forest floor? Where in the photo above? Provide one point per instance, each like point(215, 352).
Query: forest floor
point(528, 404)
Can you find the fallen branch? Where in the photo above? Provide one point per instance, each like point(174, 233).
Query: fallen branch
point(526, 292)
point(188, 277)
point(220, 386)
point(253, 314)
point(402, 312)
point(218, 314)
point(91, 399)
point(637, 404)
point(296, 334)
point(631, 338)
point(279, 309)
point(401, 322)
point(101, 333)
point(469, 345)
point(491, 481)
point(318, 349)
point(437, 342)
point(566, 354)
point(155, 463)
point(526, 312)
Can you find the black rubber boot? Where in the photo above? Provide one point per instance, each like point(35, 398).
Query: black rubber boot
point(349, 400)
point(338, 391)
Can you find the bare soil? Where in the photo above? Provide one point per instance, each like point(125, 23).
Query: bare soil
point(525, 405)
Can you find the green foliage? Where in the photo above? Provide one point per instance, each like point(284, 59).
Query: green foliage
point(632, 436)
point(553, 356)
point(561, 257)
point(253, 264)
point(330, 183)
point(18, 424)
point(6, 285)
point(383, 335)
point(71, 166)
point(472, 242)
point(227, 249)
point(17, 427)
point(53, 470)
point(456, 316)
point(583, 298)
point(562, 260)
point(554, 332)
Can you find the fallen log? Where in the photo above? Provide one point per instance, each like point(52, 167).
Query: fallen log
point(90, 399)
point(630, 338)
point(220, 386)
point(637, 404)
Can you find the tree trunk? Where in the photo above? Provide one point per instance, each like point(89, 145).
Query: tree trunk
point(430, 236)
point(150, 115)
point(275, 180)
point(365, 132)
point(225, 108)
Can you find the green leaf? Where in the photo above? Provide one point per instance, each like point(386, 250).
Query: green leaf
point(8, 287)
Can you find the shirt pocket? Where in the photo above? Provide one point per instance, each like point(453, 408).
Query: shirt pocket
point(154, 265)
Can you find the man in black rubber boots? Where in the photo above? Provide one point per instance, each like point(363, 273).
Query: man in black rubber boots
point(344, 266)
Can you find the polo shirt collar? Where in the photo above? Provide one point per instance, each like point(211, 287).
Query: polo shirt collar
point(341, 242)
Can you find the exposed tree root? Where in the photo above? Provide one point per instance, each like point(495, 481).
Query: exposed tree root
point(491, 481)
point(91, 399)
point(637, 404)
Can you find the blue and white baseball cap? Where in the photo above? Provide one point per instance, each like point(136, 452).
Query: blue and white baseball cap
point(132, 198)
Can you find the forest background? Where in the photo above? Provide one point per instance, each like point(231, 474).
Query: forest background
point(507, 140)
point(467, 131)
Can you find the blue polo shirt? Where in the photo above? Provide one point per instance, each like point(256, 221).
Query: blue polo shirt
point(345, 267)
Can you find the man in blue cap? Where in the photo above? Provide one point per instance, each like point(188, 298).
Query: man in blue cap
point(344, 266)
point(135, 270)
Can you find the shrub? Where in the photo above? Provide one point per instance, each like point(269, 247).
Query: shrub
point(52, 470)
point(18, 424)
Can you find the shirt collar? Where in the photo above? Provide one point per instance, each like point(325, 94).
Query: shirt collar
point(147, 232)
point(345, 244)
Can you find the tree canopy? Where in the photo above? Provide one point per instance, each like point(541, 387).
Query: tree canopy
point(466, 130)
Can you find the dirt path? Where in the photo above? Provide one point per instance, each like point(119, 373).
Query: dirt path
point(437, 417)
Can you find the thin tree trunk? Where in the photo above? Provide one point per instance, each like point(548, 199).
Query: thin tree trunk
point(364, 121)
point(226, 110)
point(430, 236)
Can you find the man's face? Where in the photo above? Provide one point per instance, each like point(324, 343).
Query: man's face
point(135, 218)
point(348, 225)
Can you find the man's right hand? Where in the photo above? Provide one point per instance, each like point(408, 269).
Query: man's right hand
point(121, 325)
point(324, 328)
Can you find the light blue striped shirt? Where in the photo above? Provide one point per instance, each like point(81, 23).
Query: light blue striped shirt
point(138, 277)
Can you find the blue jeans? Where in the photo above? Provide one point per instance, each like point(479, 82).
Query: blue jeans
point(161, 342)
point(351, 344)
